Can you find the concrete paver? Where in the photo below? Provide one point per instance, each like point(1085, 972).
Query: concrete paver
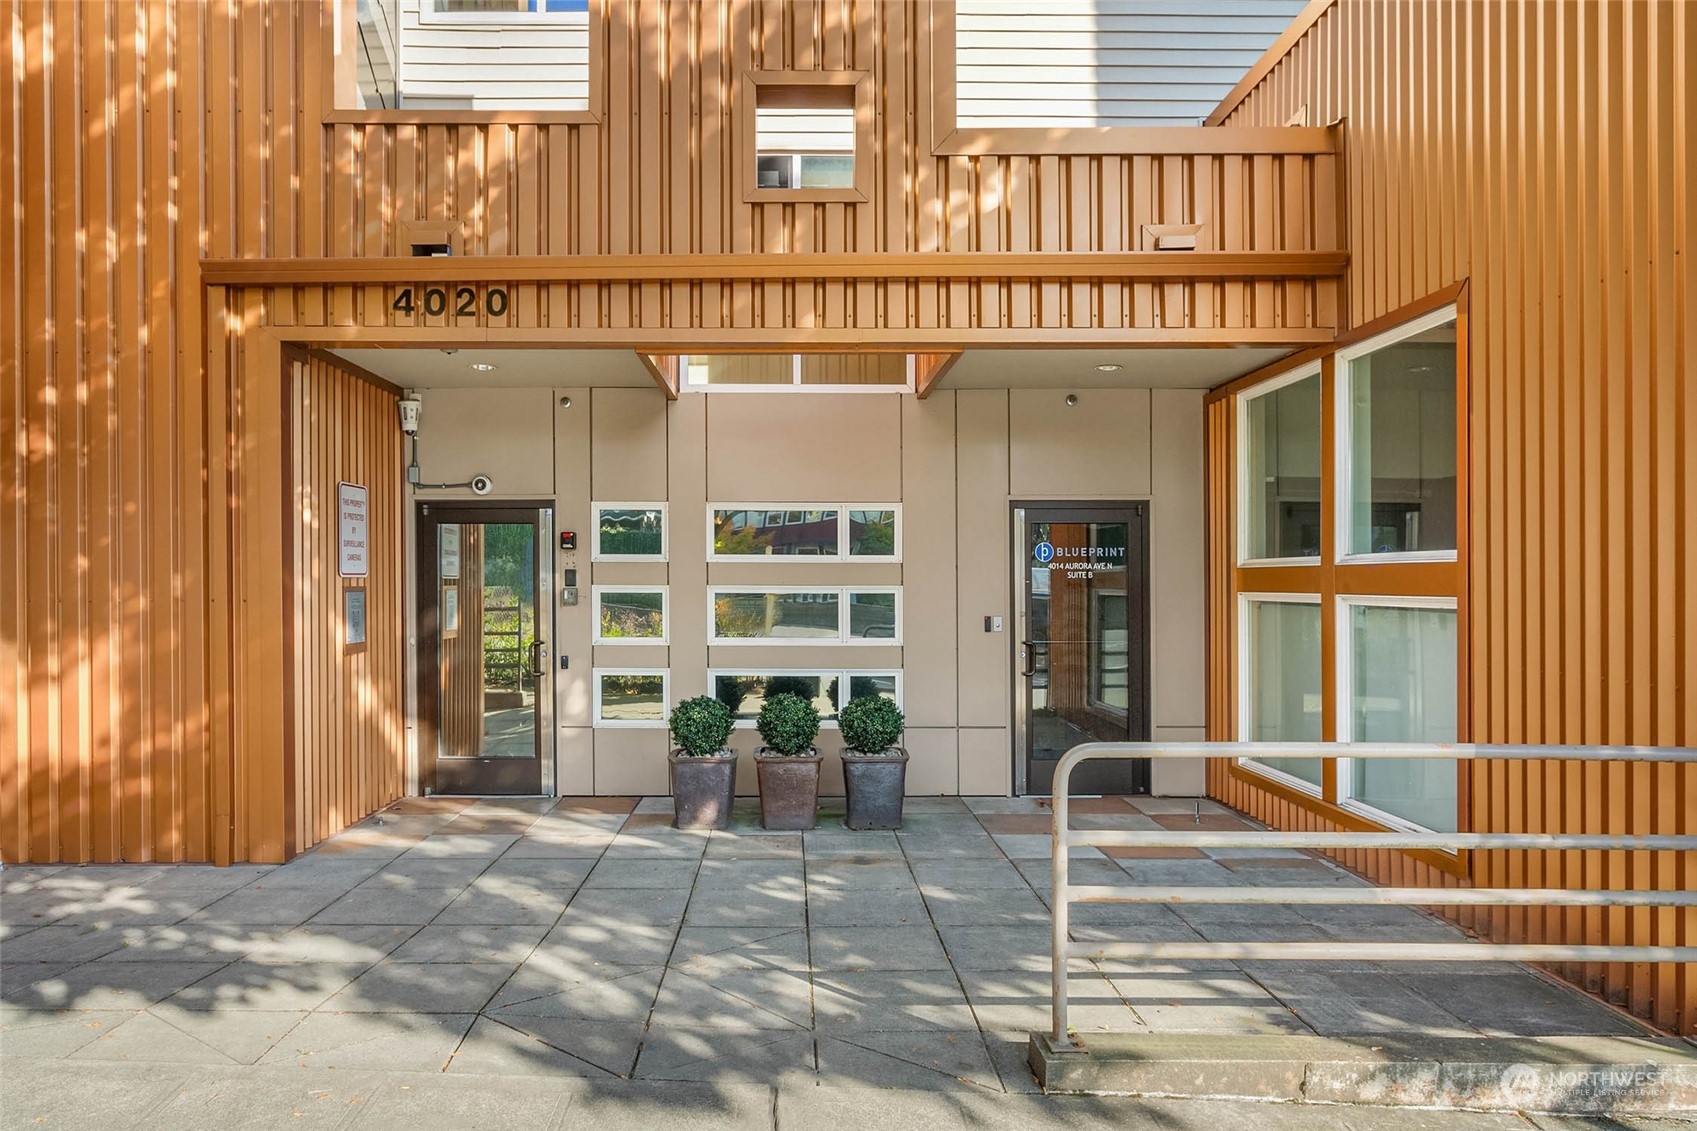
point(578, 963)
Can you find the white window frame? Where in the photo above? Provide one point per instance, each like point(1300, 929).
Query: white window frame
point(597, 592)
point(1283, 381)
point(842, 593)
point(843, 524)
point(795, 385)
point(1343, 471)
point(1346, 697)
point(825, 675)
point(427, 14)
point(595, 554)
point(665, 675)
point(1245, 700)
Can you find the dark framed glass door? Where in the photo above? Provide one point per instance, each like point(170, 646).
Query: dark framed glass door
point(1083, 641)
point(484, 620)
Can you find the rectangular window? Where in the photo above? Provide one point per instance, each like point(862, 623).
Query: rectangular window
point(804, 137)
point(1398, 684)
point(762, 372)
point(628, 532)
point(631, 697)
point(1281, 680)
point(821, 532)
point(801, 615)
point(630, 614)
point(1279, 489)
point(746, 692)
point(1397, 447)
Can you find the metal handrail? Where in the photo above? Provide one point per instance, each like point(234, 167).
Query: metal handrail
point(1064, 838)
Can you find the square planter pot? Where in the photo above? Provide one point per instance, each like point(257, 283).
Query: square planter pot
point(876, 784)
point(703, 790)
point(789, 789)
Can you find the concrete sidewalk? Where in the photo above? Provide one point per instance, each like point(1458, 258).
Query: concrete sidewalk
point(586, 939)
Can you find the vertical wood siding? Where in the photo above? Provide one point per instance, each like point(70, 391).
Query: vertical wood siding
point(348, 743)
point(1541, 150)
point(146, 482)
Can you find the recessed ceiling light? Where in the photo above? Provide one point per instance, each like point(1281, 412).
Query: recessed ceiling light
point(482, 366)
point(1110, 367)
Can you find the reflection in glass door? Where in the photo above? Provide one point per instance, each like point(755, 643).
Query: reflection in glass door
point(1083, 642)
point(483, 667)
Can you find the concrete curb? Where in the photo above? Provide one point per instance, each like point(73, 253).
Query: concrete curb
point(1558, 1075)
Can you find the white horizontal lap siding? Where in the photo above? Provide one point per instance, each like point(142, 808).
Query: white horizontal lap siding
point(789, 130)
point(524, 64)
point(1106, 62)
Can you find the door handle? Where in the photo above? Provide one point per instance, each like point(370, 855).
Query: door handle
point(537, 648)
point(1030, 650)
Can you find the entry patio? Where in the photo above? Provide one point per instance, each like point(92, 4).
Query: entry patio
point(587, 938)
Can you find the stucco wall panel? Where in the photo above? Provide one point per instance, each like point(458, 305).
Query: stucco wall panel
point(1099, 446)
point(802, 447)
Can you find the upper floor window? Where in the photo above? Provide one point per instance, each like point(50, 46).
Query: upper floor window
point(804, 142)
point(805, 136)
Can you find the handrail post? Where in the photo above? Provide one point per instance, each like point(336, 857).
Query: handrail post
point(1061, 1037)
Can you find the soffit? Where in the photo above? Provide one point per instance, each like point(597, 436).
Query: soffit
point(1157, 368)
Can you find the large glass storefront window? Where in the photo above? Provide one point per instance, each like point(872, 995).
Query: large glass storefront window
point(1346, 474)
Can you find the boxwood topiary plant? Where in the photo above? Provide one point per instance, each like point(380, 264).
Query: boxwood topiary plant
point(789, 724)
point(701, 726)
point(871, 724)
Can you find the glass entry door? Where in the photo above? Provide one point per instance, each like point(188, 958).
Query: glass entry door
point(1083, 642)
point(484, 620)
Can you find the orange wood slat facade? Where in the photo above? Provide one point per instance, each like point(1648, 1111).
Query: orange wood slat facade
point(145, 627)
point(348, 755)
point(1539, 152)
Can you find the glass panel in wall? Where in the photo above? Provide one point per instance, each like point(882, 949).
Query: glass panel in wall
point(630, 532)
point(777, 616)
point(1403, 689)
point(882, 684)
point(774, 533)
point(854, 369)
point(872, 534)
point(631, 615)
point(872, 616)
point(633, 697)
point(1283, 681)
point(1402, 455)
point(745, 694)
point(1282, 481)
point(741, 369)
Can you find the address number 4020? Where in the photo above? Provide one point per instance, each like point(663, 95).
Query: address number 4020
point(433, 301)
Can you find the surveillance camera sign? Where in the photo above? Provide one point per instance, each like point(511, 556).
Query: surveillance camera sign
point(352, 526)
